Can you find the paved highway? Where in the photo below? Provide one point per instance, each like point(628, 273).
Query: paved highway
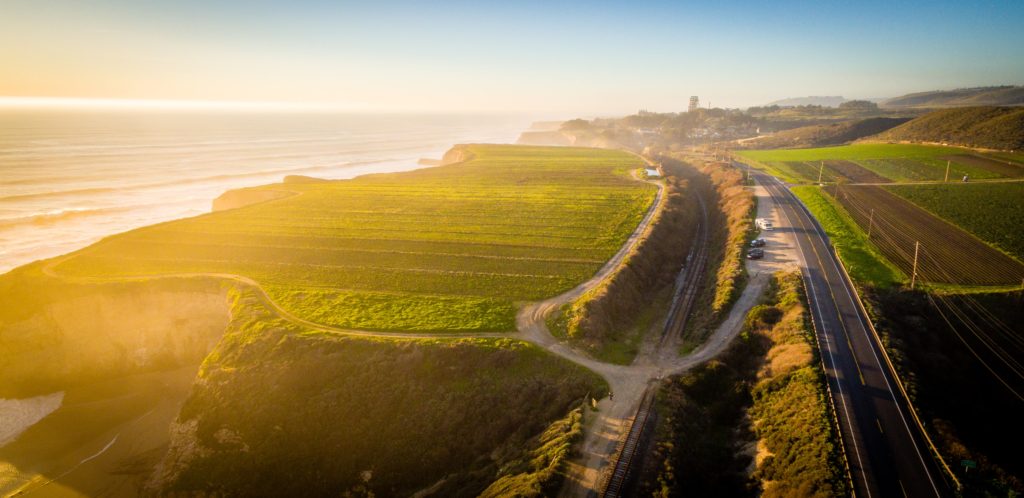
point(887, 454)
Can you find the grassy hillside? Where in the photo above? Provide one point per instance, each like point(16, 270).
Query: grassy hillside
point(876, 162)
point(825, 134)
point(755, 421)
point(451, 248)
point(610, 320)
point(730, 214)
point(280, 411)
point(1000, 128)
point(993, 95)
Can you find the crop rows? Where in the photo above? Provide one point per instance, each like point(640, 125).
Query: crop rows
point(878, 163)
point(451, 248)
point(992, 211)
point(947, 254)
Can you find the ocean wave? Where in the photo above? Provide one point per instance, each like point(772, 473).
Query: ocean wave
point(59, 215)
point(185, 181)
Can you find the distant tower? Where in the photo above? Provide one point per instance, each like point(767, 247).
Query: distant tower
point(694, 104)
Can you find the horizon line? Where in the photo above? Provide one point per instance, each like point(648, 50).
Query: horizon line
point(108, 103)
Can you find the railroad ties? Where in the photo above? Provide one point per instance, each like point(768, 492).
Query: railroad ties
point(616, 481)
point(688, 282)
point(686, 292)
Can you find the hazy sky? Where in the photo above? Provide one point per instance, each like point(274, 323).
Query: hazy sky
point(587, 57)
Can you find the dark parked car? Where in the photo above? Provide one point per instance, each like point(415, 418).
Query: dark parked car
point(757, 243)
point(755, 254)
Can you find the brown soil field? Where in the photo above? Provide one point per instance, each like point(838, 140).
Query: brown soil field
point(947, 254)
point(837, 170)
point(854, 173)
point(1004, 168)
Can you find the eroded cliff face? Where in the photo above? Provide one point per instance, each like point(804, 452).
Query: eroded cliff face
point(279, 411)
point(273, 408)
point(105, 331)
point(456, 154)
point(242, 197)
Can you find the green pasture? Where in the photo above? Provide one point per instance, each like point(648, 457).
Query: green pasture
point(450, 248)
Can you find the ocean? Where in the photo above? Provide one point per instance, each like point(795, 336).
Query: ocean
point(71, 177)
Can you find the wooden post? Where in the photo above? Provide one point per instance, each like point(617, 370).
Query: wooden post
point(947, 171)
point(871, 222)
point(913, 275)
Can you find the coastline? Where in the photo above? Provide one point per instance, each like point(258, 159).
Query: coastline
point(17, 415)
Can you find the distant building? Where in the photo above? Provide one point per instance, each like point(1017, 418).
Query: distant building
point(652, 173)
point(694, 104)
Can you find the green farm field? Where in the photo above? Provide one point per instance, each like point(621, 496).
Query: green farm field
point(994, 212)
point(453, 248)
point(882, 163)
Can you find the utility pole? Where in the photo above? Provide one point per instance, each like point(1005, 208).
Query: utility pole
point(913, 275)
point(947, 172)
point(820, 171)
point(871, 223)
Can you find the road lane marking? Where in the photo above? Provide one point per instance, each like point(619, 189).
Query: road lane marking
point(874, 353)
point(824, 333)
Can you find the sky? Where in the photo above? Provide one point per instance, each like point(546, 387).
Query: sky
point(575, 57)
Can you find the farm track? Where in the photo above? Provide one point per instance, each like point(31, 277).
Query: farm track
point(631, 382)
point(919, 182)
point(1004, 168)
point(532, 313)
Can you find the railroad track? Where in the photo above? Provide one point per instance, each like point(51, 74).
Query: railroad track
point(616, 480)
point(686, 292)
point(687, 286)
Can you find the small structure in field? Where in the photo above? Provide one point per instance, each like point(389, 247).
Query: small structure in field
point(652, 173)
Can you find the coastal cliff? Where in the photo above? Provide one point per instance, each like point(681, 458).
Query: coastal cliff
point(73, 334)
point(242, 197)
point(389, 417)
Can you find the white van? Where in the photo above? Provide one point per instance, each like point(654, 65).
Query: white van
point(764, 224)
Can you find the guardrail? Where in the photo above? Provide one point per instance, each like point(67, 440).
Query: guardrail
point(899, 383)
point(831, 399)
point(828, 386)
point(848, 282)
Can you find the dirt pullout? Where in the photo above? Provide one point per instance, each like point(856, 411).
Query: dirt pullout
point(607, 425)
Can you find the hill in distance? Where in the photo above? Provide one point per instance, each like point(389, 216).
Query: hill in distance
point(988, 127)
point(821, 135)
point(829, 101)
point(961, 97)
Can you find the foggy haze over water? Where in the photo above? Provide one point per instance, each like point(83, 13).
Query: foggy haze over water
point(71, 177)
